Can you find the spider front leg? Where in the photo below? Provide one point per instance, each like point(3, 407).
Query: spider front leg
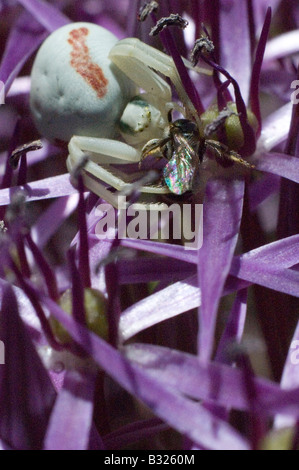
point(101, 153)
point(140, 62)
point(225, 156)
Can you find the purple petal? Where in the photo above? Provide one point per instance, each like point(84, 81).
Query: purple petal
point(25, 37)
point(280, 254)
point(49, 222)
point(134, 433)
point(84, 266)
point(283, 280)
point(169, 302)
point(234, 329)
point(44, 269)
point(26, 311)
point(279, 164)
point(267, 265)
point(257, 67)
point(163, 249)
point(282, 45)
point(20, 86)
point(260, 10)
point(4, 446)
point(261, 189)
point(48, 188)
point(45, 14)
point(276, 83)
point(222, 218)
point(27, 395)
point(171, 47)
point(149, 269)
point(97, 254)
point(238, 62)
point(290, 379)
point(288, 220)
point(71, 418)
point(211, 382)
point(275, 129)
point(187, 417)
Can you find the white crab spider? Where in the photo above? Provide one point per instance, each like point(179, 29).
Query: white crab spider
point(83, 85)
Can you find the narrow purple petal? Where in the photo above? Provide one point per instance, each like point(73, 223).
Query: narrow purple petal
point(261, 189)
point(234, 329)
point(260, 9)
point(249, 146)
point(26, 311)
point(30, 293)
point(280, 254)
point(211, 382)
point(290, 378)
point(279, 164)
point(149, 269)
point(46, 14)
point(78, 308)
point(48, 188)
point(84, 266)
point(237, 61)
point(45, 269)
point(163, 249)
point(187, 417)
point(276, 255)
point(25, 37)
point(51, 219)
point(276, 129)
point(167, 303)
point(22, 173)
point(27, 395)
point(276, 83)
point(257, 67)
point(228, 345)
point(282, 280)
point(134, 433)
point(171, 47)
point(282, 45)
point(20, 86)
point(4, 446)
point(222, 217)
point(71, 418)
point(98, 252)
point(288, 222)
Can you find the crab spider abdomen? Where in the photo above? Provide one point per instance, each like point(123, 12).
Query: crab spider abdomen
point(75, 89)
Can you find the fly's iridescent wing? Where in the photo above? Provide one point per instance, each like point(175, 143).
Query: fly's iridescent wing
point(181, 169)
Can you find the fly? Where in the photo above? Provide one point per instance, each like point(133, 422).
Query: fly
point(184, 149)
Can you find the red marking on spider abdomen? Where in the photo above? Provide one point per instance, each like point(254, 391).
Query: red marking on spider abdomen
point(82, 63)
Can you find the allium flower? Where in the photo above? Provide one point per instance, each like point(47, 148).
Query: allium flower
point(143, 344)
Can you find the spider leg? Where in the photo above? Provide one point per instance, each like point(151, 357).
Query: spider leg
point(96, 174)
point(225, 156)
point(140, 62)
